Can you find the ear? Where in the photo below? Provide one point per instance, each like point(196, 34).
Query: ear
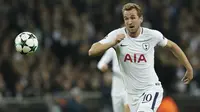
point(141, 19)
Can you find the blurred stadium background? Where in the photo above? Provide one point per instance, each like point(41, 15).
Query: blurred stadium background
point(60, 77)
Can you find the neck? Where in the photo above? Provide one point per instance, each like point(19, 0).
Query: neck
point(135, 34)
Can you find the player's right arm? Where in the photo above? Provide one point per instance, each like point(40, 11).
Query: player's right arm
point(111, 40)
point(98, 48)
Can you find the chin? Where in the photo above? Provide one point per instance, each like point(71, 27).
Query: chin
point(132, 31)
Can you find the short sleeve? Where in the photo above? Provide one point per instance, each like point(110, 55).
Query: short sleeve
point(161, 40)
point(109, 38)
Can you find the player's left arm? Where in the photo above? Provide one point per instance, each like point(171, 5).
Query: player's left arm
point(180, 55)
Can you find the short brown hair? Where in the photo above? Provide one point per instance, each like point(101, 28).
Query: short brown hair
point(130, 6)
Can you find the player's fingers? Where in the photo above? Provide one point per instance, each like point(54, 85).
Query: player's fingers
point(121, 35)
point(183, 78)
point(120, 39)
point(186, 81)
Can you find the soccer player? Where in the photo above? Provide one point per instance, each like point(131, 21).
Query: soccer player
point(134, 46)
point(118, 93)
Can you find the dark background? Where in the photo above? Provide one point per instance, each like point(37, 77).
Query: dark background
point(66, 29)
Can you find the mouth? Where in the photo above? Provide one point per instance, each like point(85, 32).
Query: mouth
point(131, 26)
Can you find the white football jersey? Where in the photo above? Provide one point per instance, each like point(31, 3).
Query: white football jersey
point(117, 78)
point(136, 58)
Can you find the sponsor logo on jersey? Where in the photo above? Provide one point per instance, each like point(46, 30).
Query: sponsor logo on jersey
point(136, 58)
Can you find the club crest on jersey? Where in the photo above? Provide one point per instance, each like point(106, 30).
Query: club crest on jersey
point(146, 46)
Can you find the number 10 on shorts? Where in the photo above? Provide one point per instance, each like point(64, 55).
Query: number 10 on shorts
point(150, 100)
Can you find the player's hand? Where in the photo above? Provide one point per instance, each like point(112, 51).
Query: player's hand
point(104, 68)
point(188, 77)
point(119, 38)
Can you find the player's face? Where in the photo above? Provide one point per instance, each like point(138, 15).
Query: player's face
point(132, 21)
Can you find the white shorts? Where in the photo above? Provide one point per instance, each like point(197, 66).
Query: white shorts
point(118, 102)
point(149, 101)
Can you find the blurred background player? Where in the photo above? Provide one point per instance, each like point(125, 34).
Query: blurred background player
point(135, 47)
point(118, 93)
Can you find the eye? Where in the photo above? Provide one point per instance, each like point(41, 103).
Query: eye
point(125, 18)
point(133, 17)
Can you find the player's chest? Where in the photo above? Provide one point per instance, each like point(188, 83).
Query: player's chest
point(132, 46)
point(135, 51)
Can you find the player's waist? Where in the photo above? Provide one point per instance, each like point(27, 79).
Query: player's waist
point(142, 88)
point(130, 69)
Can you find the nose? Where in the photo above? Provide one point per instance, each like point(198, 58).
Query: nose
point(129, 22)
